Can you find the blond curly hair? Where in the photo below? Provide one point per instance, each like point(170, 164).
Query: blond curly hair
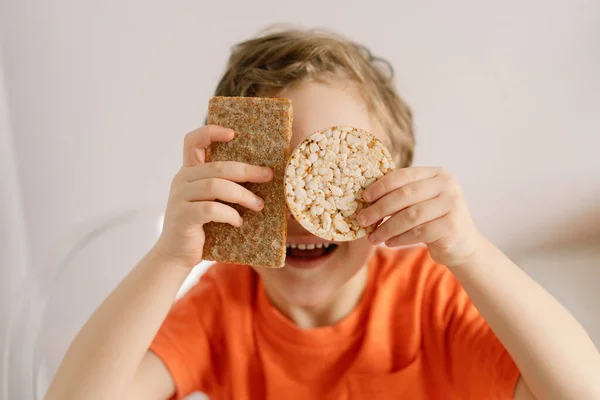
point(278, 59)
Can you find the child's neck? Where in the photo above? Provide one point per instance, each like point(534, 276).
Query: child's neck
point(331, 311)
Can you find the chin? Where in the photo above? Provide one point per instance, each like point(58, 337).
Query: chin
point(315, 269)
point(302, 288)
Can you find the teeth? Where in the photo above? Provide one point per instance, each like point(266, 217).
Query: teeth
point(308, 246)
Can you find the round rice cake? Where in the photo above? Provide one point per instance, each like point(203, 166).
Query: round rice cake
point(326, 176)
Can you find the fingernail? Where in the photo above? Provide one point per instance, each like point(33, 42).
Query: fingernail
point(362, 220)
point(266, 172)
point(259, 202)
point(372, 238)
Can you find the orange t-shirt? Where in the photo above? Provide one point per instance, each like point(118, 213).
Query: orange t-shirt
point(414, 335)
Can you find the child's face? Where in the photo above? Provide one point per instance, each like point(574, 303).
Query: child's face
point(311, 277)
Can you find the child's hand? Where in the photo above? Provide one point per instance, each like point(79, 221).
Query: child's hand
point(425, 205)
point(194, 191)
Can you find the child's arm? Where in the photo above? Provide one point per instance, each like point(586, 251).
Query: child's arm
point(103, 360)
point(109, 359)
point(556, 357)
point(554, 354)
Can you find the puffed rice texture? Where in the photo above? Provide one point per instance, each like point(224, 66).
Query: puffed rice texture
point(326, 176)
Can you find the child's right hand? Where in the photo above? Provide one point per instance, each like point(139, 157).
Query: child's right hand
point(195, 191)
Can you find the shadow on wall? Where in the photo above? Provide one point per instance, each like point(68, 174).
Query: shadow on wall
point(568, 231)
point(571, 273)
point(568, 266)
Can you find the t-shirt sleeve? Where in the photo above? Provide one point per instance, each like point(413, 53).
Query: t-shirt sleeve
point(471, 357)
point(185, 339)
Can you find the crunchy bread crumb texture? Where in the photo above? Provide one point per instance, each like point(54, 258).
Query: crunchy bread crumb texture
point(326, 176)
point(263, 129)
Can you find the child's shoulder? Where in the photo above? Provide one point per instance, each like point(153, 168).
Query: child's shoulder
point(226, 281)
point(411, 275)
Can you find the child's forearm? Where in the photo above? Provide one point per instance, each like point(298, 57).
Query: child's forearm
point(556, 357)
point(104, 357)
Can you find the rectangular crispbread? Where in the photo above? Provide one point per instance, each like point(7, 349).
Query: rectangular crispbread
point(263, 129)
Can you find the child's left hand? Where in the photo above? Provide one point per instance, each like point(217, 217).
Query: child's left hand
point(425, 205)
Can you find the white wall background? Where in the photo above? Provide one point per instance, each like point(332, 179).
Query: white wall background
point(13, 242)
point(506, 96)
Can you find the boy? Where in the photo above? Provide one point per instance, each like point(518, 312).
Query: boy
point(353, 320)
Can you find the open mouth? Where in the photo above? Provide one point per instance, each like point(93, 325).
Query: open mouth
point(309, 251)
